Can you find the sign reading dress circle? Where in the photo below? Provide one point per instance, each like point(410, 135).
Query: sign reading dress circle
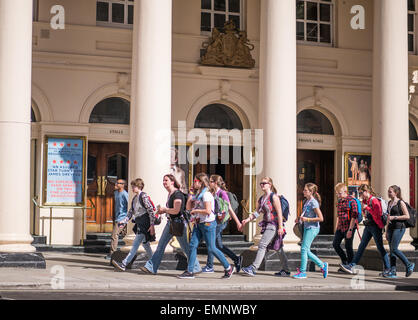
point(229, 48)
point(64, 171)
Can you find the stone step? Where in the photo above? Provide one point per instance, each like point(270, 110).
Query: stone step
point(324, 238)
point(70, 249)
point(100, 236)
point(105, 243)
point(321, 245)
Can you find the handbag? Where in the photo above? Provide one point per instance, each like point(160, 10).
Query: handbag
point(298, 230)
point(177, 227)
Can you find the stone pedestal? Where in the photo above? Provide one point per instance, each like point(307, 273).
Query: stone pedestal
point(22, 260)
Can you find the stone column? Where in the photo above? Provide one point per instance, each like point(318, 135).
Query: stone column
point(390, 134)
point(150, 139)
point(277, 102)
point(15, 131)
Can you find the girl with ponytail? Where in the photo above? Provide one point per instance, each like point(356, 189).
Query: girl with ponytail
point(311, 217)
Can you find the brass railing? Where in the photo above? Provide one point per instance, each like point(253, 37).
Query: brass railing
point(34, 200)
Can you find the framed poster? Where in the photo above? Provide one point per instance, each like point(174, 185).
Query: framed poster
point(182, 165)
point(357, 171)
point(64, 171)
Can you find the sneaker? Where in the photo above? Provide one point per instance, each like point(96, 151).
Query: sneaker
point(410, 269)
point(146, 270)
point(108, 257)
point(186, 275)
point(282, 273)
point(238, 264)
point(347, 268)
point(388, 274)
point(207, 269)
point(249, 271)
point(325, 270)
point(340, 270)
point(300, 275)
point(119, 266)
point(228, 272)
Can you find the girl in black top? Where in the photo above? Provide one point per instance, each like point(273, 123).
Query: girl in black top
point(395, 227)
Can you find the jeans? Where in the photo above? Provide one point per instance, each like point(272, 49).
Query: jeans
point(376, 233)
point(139, 238)
point(154, 263)
point(265, 240)
point(308, 237)
point(225, 250)
point(207, 231)
point(394, 239)
point(338, 238)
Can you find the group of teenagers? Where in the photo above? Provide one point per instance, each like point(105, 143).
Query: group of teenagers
point(198, 213)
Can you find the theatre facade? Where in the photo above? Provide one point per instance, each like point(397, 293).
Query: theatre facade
point(297, 90)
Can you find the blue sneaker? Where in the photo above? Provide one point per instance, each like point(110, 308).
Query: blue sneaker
point(389, 274)
point(410, 270)
point(300, 275)
point(347, 268)
point(249, 271)
point(207, 269)
point(325, 270)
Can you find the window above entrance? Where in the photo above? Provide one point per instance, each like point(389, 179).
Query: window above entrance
point(115, 13)
point(111, 110)
point(314, 20)
point(218, 116)
point(214, 14)
point(314, 122)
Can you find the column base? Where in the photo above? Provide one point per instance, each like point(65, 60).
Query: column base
point(371, 260)
point(22, 260)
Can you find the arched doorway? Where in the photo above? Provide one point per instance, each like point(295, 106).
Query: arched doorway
point(220, 116)
point(316, 165)
point(106, 163)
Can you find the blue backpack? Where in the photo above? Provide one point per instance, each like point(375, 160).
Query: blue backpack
point(360, 215)
point(285, 206)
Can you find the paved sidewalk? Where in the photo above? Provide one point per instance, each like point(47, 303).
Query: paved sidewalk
point(92, 272)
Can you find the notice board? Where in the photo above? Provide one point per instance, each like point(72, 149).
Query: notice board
point(64, 171)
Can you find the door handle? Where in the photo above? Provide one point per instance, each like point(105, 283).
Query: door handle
point(99, 185)
point(104, 185)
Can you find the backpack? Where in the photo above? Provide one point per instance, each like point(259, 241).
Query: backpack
point(221, 209)
point(411, 222)
point(284, 203)
point(233, 200)
point(157, 220)
point(384, 209)
point(360, 215)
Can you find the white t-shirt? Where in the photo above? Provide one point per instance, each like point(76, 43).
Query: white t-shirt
point(207, 197)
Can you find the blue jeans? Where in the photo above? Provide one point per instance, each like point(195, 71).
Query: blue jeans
point(376, 233)
point(139, 238)
point(308, 237)
point(225, 250)
point(394, 239)
point(207, 231)
point(154, 263)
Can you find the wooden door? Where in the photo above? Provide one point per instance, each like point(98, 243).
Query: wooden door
point(107, 162)
point(232, 175)
point(318, 167)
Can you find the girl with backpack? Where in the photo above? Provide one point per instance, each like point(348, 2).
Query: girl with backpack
point(374, 229)
point(272, 225)
point(311, 217)
point(202, 206)
point(174, 208)
point(219, 192)
point(395, 229)
point(142, 211)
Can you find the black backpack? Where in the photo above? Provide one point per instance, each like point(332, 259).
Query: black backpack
point(233, 200)
point(411, 222)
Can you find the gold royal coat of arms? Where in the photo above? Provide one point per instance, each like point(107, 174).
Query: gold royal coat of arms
point(230, 48)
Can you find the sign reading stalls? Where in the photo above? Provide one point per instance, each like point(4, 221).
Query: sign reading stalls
point(64, 171)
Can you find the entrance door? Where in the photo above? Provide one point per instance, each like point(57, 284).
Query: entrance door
point(318, 167)
point(107, 162)
point(233, 177)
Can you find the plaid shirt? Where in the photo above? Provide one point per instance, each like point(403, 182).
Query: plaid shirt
point(346, 212)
